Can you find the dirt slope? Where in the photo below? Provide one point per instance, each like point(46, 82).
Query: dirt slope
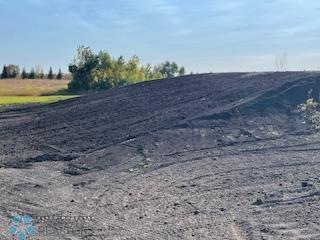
point(212, 156)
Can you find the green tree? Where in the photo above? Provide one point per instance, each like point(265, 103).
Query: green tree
point(84, 65)
point(24, 74)
point(102, 71)
point(4, 73)
point(13, 70)
point(32, 74)
point(50, 74)
point(169, 70)
point(152, 73)
point(59, 75)
point(10, 71)
point(182, 71)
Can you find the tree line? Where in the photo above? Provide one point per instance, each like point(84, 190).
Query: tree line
point(92, 71)
point(13, 71)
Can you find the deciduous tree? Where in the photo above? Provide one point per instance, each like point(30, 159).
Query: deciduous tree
point(100, 71)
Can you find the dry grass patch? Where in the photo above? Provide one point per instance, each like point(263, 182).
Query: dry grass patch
point(38, 87)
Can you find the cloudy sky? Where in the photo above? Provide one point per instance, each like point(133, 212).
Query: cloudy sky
point(204, 36)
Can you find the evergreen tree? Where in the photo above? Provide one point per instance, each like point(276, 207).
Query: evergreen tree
point(59, 75)
point(32, 74)
point(24, 74)
point(4, 73)
point(50, 74)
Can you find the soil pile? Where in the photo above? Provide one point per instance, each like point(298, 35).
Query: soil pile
point(210, 156)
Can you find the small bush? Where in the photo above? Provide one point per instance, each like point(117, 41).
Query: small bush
point(310, 110)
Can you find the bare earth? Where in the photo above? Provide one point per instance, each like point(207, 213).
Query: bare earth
point(212, 156)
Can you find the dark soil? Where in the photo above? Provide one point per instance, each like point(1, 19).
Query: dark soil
point(211, 156)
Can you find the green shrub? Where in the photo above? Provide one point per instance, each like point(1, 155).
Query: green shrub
point(310, 110)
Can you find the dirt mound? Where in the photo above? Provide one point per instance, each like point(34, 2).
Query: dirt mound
point(210, 156)
point(118, 115)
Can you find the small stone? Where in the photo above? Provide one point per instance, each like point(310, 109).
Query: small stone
point(306, 184)
point(265, 230)
point(258, 202)
point(196, 212)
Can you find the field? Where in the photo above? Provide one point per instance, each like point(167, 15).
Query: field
point(41, 87)
point(15, 91)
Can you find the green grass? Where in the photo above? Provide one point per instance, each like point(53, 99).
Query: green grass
point(14, 100)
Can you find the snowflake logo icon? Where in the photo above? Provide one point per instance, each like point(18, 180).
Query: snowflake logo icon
point(21, 227)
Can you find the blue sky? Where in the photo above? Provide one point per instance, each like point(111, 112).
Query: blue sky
point(204, 36)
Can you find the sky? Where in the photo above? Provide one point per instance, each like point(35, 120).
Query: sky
point(203, 36)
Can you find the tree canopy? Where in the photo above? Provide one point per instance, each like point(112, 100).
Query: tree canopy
point(101, 71)
point(10, 71)
point(170, 69)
